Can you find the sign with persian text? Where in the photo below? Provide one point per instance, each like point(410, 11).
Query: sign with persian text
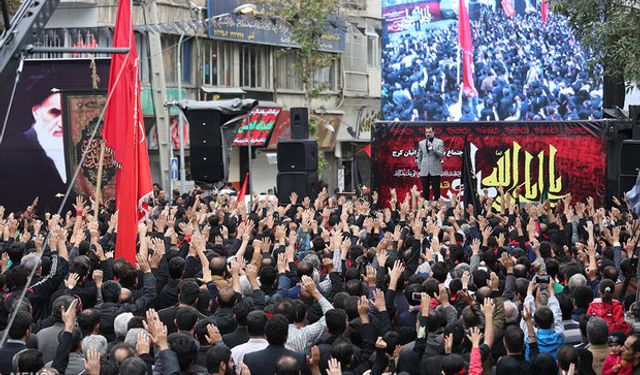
point(256, 127)
point(540, 159)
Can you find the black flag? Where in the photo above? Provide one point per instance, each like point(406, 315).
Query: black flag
point(469, 180)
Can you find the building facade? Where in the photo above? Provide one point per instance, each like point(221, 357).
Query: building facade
point(222, 64)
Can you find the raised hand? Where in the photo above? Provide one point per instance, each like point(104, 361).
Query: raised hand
point(92, 362)
point(475, 336)
point(213, 335)
point(143, 343)
point(334, 367)
point(380, 302)
point(71, 281)
point(157, 330)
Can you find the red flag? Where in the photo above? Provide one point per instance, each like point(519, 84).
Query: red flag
point(367, 149)
point(507, 5)
point(545, 11)
point(124, 136)
point(243, 189)
point(466, 45)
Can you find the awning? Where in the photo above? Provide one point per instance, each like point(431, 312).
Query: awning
point(257, 126)
point(223, 90)
point(282, 130)
point(327, 131)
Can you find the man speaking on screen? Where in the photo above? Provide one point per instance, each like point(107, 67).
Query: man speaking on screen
point(430, 153)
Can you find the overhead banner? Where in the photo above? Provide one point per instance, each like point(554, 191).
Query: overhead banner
point(256, 127)
point(541, 160)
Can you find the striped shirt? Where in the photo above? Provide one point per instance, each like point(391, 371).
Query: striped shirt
point(572, 335)
point(301, 339)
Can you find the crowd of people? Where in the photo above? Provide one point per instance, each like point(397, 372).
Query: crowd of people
point(524, 69)
point(331, 285)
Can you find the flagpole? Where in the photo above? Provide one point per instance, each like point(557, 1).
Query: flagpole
point(98, 194)
point(458, 64)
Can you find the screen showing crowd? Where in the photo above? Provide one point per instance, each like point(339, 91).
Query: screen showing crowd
point(526, 63)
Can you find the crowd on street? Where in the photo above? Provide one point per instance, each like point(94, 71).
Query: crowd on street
point(524, 69)
point(330, 285)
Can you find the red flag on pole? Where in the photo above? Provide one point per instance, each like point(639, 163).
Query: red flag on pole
point(466, 45)
point(123, 133)
point(367, 149)
point(243, 189)
point(545, 10)
point(507, 5)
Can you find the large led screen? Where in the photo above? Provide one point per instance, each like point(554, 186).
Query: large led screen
point(485, 60)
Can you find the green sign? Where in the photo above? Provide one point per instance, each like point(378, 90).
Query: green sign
point(146, 98)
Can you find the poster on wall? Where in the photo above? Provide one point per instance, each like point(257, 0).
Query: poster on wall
point(542, 160)
point(484, 60)
point(35, 159)
point(82, 114)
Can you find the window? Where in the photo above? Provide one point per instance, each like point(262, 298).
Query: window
point(169, 58)
point(329, 76)
point(186, 60)
point(373, 50)
point(287, 74)
point(355, 51)
point(217, 67)
point(143, 55)
point(255, 66)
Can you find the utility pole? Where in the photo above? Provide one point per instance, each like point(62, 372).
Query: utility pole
point(159, 95)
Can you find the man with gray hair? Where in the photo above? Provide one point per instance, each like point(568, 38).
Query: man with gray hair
point(511, 313)
point(120, 324)
point(597, 333)
point(30, 261)
point(48, 337)
point(576, 280)
point(97, 342)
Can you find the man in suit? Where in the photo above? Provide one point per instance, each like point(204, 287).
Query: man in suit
point(263, 362)
point(430, 153)
point(17, 342)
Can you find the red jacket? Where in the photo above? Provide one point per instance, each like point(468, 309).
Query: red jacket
point(612, 312)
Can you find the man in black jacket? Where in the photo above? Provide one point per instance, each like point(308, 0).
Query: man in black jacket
point(112, 306)
point(263, 362)
point(18, 334)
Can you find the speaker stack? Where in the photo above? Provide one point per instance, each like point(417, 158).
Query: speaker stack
point(629, 164)
point(298, 160)
point(207, 163)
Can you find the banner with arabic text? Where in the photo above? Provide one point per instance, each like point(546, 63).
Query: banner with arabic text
point(540, 159)
point(256, 127)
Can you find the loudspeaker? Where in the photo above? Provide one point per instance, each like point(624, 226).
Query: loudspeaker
point(206, 146)
point(297, 155)
point(630, 158)
point(520, 6)
point(627, 182)
point(474, 10)
point(299, 123)
point(304, 183)
point(634, 116)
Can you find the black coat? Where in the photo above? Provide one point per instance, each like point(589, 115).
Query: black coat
point(6, 356)
point(263, 362)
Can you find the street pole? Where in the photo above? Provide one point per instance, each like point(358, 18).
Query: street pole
point(250, 174)
point(183, 176)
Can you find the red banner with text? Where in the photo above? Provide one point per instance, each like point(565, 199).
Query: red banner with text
point(541, 160)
